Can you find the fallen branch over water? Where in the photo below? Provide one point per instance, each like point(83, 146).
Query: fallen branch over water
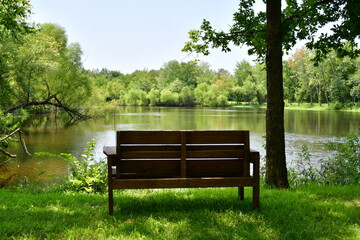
point(22, 142)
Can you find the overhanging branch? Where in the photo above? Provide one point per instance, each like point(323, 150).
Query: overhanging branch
point(52, 101)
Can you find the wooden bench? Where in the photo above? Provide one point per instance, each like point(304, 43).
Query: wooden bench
point(182, 159)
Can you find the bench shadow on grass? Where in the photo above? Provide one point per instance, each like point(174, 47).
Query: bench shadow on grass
point(218, 213)
point(185, 214)
point(191, 213)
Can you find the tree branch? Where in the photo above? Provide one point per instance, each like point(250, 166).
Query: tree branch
point(7, 153)
point(10, 134)
point(57, 103)
point(23, 144)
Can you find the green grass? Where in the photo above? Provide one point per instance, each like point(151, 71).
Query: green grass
point(306, 213)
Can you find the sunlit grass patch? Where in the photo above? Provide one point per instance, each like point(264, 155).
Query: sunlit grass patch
point(305, 213)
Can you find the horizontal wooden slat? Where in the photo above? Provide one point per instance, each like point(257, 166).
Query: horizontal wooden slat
point(205, 137)
point(214, 168)
point(150, 137)
point(150, 147)
point(215, 150)
point(183, 182)
point(150, 154)
point(150, 168)
point(136, 151)
point(215, 154)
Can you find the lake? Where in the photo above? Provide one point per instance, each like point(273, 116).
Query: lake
point(45, 133)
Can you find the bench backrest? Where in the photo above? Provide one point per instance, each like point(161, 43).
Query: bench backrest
point(153, 154)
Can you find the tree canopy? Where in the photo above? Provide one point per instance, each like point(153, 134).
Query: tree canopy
point(268, 34)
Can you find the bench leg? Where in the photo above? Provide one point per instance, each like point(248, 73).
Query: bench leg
point(256, 197)
point(111, 201)
point(241, 193)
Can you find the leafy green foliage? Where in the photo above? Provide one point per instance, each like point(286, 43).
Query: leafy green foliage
point(331, 81)
point(43, 70)
point(334, 82)
point(342, 168)
point(13, 16)
point(301, 20)
point(85, 173)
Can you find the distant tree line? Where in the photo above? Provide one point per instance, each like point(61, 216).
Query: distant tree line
point(182, 84)
point(334, 81)
point(41, 71)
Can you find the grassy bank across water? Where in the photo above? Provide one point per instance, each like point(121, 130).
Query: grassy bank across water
point(306, 213)
point(301, 106)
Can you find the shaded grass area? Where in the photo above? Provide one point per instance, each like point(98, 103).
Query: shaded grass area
point(306, 213)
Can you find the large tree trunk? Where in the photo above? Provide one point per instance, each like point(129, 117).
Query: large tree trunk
point(276, 172)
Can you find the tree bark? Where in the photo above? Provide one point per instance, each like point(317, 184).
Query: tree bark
point(276, 171)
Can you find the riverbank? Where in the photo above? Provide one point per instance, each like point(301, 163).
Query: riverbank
point(306, 213)
point(302, 106)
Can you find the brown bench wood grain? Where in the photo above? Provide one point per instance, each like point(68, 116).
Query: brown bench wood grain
point(182, 159)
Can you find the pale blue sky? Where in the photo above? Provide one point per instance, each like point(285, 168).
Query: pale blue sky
point(127, 35)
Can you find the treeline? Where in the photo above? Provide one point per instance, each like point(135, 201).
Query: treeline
point(42, 71)
point(334, 81)
point(182, 84)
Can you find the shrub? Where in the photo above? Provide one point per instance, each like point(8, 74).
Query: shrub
point(169, 98)
point(344, 167)
point(303, 173)
point(136, 98)
point(337, 105)
point(187, 97)
point(341, 168)
point(85, 174)
point(154, 97)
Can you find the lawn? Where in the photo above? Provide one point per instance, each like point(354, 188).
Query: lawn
point(306, 213)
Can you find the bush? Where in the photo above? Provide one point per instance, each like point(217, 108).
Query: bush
point(341, 168)
point(169, 98)
point(136, 98)
point(85, 174)
point(187, 97)
point(154, 97)
point(344, 167)
point(337, 105)
point(304, 173)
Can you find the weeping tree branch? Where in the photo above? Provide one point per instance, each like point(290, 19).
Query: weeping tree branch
point(52, 101)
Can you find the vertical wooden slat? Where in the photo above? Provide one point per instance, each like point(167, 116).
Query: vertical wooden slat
point(246, 154)
point(183, 155)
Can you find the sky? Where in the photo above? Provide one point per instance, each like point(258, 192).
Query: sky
point(129, 35)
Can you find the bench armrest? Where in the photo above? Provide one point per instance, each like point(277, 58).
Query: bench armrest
point(109, 151)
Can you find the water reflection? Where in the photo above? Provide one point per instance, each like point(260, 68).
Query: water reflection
point(49, 134)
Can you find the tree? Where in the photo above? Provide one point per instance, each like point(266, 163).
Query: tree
point(13, 26)
point(267, 35)
point(45, 71)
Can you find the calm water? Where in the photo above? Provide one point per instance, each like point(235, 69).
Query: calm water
point(46, 134)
